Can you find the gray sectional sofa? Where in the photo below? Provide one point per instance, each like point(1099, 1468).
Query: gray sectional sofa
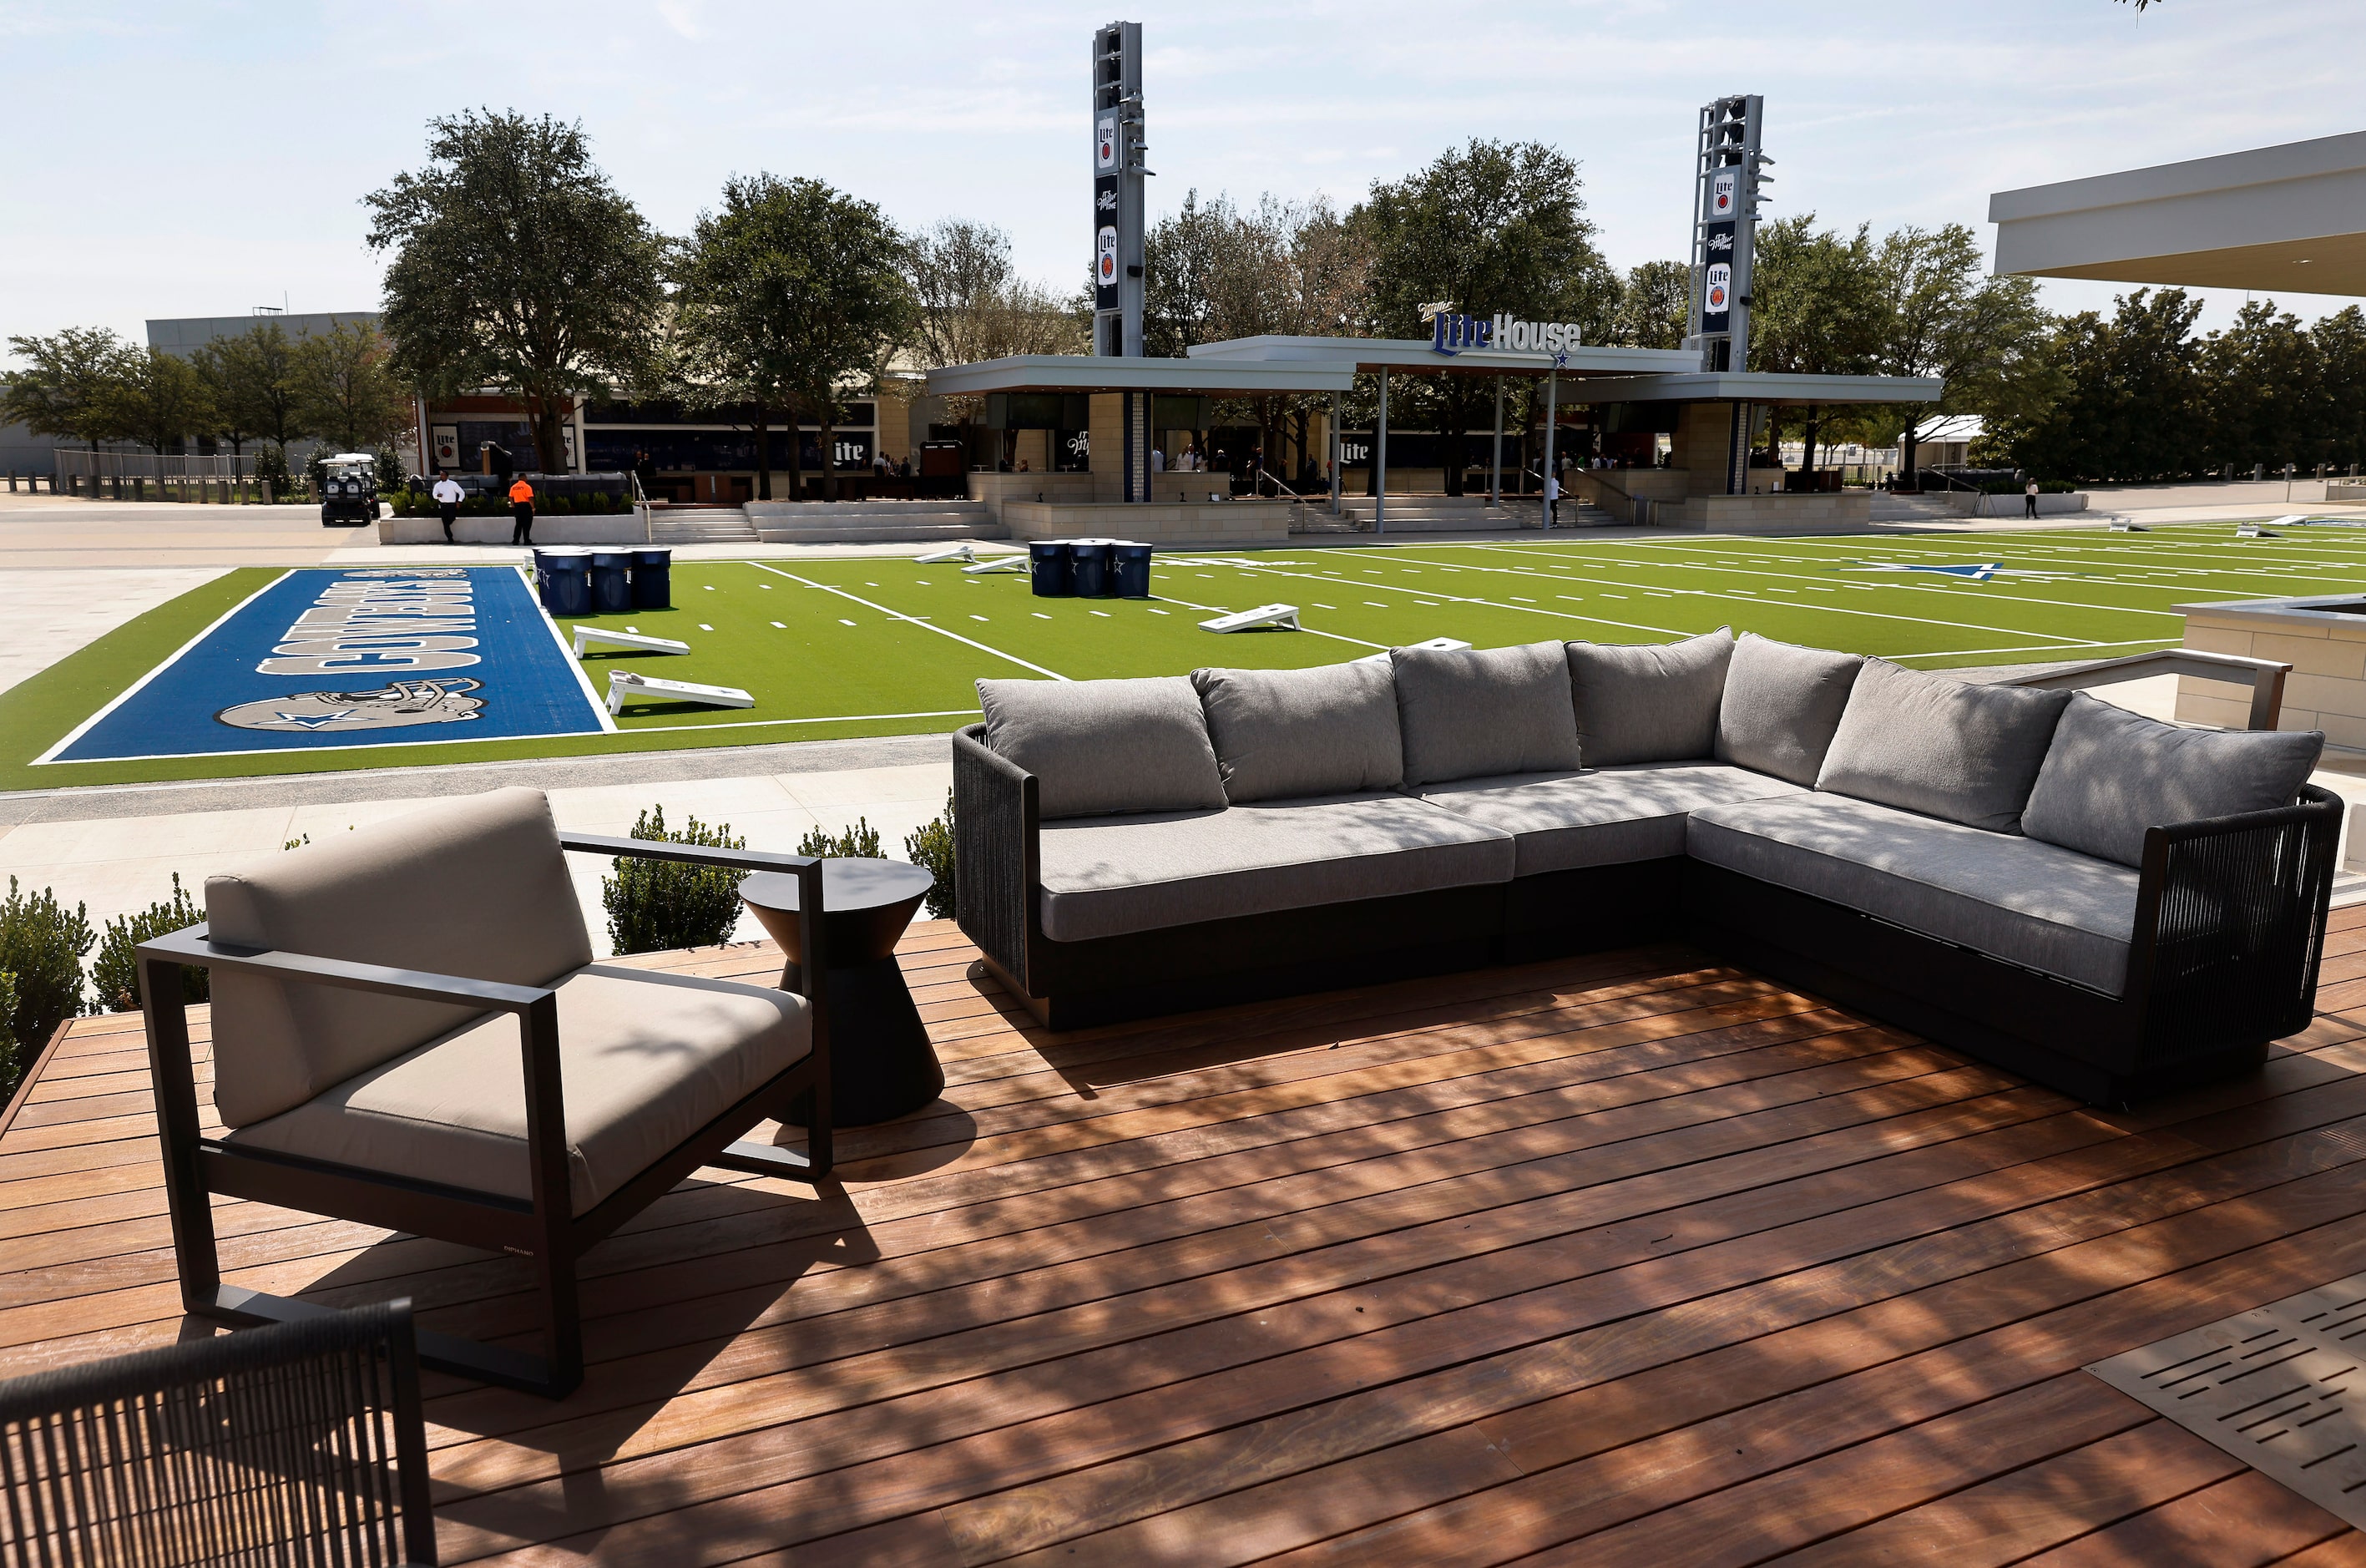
point(2107, 903)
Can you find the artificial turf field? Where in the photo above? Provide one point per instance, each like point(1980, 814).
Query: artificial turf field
point(882, 645)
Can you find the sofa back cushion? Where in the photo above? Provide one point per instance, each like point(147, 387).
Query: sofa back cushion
point(475, 887)
point(2110, 774)
point(1651, 703)
point(1287, 734)
point(1780, 706)
point(1468, 712)
point(1100, 747)
point(1942, 747)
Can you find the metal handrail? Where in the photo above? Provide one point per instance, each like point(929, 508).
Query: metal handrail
point(2265, 677)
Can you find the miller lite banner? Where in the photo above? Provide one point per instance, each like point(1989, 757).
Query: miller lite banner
point(1721, 190)
point(1106, 265)
point(1105, 144)
point(1717, 277)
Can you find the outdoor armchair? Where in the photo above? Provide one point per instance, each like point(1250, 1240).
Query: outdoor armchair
point(409, 1032)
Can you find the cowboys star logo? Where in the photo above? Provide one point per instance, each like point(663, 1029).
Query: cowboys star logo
point(395, 706)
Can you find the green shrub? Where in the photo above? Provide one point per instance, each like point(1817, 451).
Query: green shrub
point(655, 905)
point(42, 946)
point(114, 974)
point(930, 847)
point(858, 842)
point(10, 1072)
point(271, 468)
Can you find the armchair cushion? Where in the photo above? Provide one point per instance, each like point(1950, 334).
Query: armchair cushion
point(646, 1058)
point(1651, 703)
point(1098, 747)
point(475, 887)
point(1113, 876)
point(1780, 706)
point(2110, 774)
point(1471, 712)
point(1282, 734)
point(1944, 747)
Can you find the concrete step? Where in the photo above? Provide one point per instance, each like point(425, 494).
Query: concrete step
point(876, 531)
point(701, 525)
point(816, 511)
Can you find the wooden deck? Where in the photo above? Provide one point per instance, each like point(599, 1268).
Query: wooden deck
point(1625, 1259)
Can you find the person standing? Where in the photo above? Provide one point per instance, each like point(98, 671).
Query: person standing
point(521, 513)
point(2029, 500)
point(1552, 500)
point(448, 494)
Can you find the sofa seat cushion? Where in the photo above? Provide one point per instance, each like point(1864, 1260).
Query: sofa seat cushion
point(1114, 875)
point(646, 1058)
point(2026, 902)
point(1602, 817)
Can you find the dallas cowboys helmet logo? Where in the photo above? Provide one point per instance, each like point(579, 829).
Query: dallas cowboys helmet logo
point(395, 706)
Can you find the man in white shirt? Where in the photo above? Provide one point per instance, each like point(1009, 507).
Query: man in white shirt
point(448, 494)
point(1552, 500)
point(1158, 459)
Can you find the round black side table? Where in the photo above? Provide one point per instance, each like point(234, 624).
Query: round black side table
point(881, 1066)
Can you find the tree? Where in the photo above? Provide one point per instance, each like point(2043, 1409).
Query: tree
point(2262, 386)
point(2129, 401)
point(1489, 226)
point(517, 264)
point(252, 381)
point(158, 400)
point(347, 389)
point(1817, 310)
point(971, 304)
point(1983, 336)
point(70, 387)
point(793, 289)
point(1655, 305)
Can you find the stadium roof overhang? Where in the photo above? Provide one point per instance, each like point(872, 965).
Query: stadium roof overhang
point(1267, 366)
point(2291, 218)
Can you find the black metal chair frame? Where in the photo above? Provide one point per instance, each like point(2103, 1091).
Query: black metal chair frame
point(298, 1444)
point(546, 1231)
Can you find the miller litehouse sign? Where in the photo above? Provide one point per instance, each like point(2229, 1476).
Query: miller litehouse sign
point(1452, 332)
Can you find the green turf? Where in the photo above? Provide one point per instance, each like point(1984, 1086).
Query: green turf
point(884, 645)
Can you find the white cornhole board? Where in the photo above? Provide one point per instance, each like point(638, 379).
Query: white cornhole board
point(623, 683)
point(2257, 531)
point(1441, 644)
point(1264, 617)
point(959, 552)
point(2128, 525)
point(628, 639)
point(999, 563)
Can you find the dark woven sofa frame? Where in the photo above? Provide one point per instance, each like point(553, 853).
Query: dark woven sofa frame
point(2230, 926)
point(546, 1231)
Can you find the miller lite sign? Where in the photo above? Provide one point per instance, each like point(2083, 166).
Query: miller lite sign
point(1105, 144)
point(1716, 296)
point(1721, 185)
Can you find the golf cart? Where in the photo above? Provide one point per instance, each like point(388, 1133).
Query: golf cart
point(348, 490)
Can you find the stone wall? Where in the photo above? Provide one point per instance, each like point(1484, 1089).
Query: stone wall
point(1163, 524)
point(623, 528)
point(2327, 688)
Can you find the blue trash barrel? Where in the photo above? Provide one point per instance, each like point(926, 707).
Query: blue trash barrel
point(1089, 568)
point(543, 569)
point(1047, 566)
point(652, 579)
point(1130, 570)
point(611, 586)
point(571, 582)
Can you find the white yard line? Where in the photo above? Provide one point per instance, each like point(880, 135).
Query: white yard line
point(914, 620)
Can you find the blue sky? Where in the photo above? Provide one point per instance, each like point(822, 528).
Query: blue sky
point(197, 159)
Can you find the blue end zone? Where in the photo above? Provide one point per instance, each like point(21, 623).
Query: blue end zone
point(378, 656)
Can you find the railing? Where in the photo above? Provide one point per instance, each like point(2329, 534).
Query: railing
point(2265, 677)
point(79, 463)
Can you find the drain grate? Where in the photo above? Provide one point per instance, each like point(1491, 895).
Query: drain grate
point(2282, 1387)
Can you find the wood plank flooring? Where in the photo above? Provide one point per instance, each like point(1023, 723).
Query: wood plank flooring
point(1631, 1259)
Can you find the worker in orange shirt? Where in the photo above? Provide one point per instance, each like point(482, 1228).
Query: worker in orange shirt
point(522, 513)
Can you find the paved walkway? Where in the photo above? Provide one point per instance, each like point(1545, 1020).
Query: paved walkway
point(51, 614)
point(115, 849)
